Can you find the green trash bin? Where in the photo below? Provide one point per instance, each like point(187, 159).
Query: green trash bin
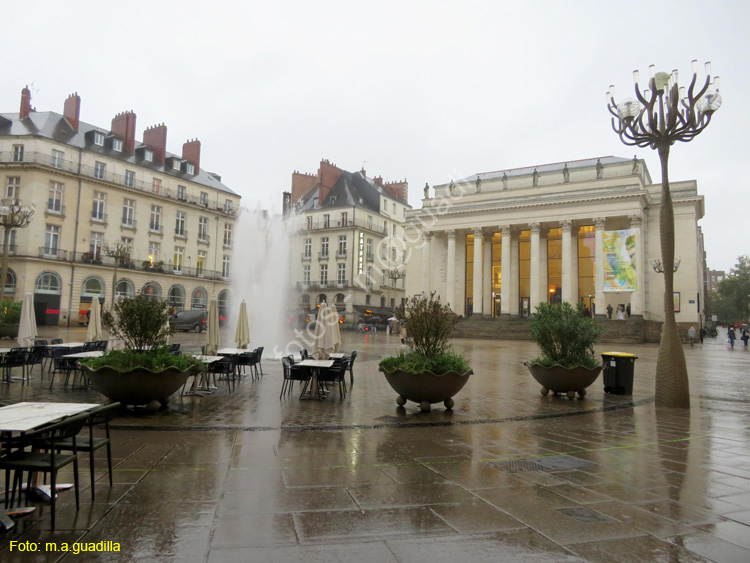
point(618, 372)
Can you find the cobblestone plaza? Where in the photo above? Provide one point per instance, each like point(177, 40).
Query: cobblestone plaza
point(509, 475)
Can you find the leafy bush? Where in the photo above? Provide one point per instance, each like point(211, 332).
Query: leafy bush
point(564, 335)
point(415, 362)
point(429, 323)
point(141, 322)
point(156, 359)
point(10, 312)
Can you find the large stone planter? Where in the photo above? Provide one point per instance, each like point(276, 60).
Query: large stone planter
point(563, 380)
point(426, 388)
point(8, 331)
point(137, 387)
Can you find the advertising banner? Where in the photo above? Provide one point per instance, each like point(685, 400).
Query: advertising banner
point(619, 251)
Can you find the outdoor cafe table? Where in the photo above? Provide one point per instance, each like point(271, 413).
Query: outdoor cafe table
point(24, 417)
point(338, 355)
point(205, 360)
point(91, 354)
point(66, 345)
point(315, 366)
point(233, 351)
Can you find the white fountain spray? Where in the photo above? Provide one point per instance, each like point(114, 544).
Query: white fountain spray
point(261, 270)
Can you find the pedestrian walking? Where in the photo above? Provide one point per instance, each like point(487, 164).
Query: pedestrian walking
point(745, 337)
point(609, 311)
point(620, 313)
point(691, 335)
point(627, 310)
point(731, 335)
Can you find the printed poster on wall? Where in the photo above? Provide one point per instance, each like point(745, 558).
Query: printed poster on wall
point(619, 250)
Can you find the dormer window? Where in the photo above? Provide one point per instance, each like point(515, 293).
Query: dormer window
point(148, 155)
point(116, 145)
point(98, 138)
point(315, 202)
point(175, 164)
point(190, 168)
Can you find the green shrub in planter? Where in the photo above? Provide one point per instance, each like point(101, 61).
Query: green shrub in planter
point(565, 336)
point(10, 312)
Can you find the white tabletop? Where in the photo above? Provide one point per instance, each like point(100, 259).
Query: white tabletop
point(4, 350)
point(338, 355)
point(23, 417)
point(208, 359)
point(233, 351)
point(66, 345)
point(91, 354)
point(314, 363)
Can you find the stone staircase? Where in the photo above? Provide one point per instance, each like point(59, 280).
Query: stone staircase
point(515, 328)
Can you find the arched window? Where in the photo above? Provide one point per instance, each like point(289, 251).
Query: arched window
point(176, 297)
point(223, 302)
point(48, 282)
point(125, 288)
point(200, 298)
point(321, 298)
point(152, 290)
point(340, 302)
point(93, 287)
point(10, 282)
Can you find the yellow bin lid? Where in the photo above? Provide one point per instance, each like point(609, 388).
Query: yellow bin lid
point(619, 354)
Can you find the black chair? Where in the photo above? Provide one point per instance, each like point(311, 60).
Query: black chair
point(305, 355)
point(36, 357)
point(57, 341)
point(89, 346)
point(17, 357)
point(335, 374)
point(223, 368)
point(174, 349)
point(90, 444)
point(40, 342)
point(101, 345)
point(249, 359)
point(43, 457)
point(292, 374)
point(66, 366)
point(351, 365)
point(259, 350)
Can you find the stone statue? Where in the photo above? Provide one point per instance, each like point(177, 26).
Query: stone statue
point(599, 169)
point(636, 168)
point(451, 188)
point(479, 184)
point(535, 178)
point(426, 190)
point(505, 181)
point(566, 174)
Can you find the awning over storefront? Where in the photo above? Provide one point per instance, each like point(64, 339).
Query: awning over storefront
point(382, 312)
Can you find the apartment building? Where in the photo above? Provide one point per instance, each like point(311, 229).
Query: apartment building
point(93, 187)
point(347, 242)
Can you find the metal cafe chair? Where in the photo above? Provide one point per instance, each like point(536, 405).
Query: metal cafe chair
point(43, 457)
point(292, 374)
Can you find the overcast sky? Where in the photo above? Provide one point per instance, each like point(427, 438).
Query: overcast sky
point(428, 91)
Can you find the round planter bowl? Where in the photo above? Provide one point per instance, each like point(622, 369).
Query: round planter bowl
point(8, 331)
point(426, 388)
point(137, 387)
point(559, 379)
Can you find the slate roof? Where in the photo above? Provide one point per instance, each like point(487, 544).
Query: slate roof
point(543, 168)
point(53, 126)
point(351, 189)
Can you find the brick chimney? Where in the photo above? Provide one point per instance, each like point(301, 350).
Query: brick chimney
point(123, 127)
point(301, 184)
point(155, 138)
point(378, 180)
point(327, 175)
point(399, 189)
point(25, 110)
point(191, 151)
point(72, 110)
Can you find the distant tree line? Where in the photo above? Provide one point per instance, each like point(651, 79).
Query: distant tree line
point(731, 302)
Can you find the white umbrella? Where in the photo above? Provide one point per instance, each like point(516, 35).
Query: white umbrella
point(27, 324)
point(212, 334)
point(242, 334)
point(323, 334)
point(336, 327)
point(94, 331)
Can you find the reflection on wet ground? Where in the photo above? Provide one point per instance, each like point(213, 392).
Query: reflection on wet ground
point(509, 475)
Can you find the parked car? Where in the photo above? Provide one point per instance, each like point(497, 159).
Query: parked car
point(189, 320)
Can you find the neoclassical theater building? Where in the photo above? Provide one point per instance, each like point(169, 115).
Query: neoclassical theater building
point(499, 243)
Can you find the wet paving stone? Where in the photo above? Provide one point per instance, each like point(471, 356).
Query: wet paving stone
point(239, 475)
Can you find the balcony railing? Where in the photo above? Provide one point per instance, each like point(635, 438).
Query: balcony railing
point(132, 224)
point(323, 256)
point(11, 249)
point(341, 254)
point(180, 233)
point(204, 238)
point(71, 166)
point(322, 225)
point(53, 253)
point(157, 229)
point(304, 286)
point(55, 209)
point(99, 217)
point(306, 256)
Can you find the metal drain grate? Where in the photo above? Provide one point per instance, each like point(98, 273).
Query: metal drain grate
point(517, 465)
point(561, 462)
point(584, 514)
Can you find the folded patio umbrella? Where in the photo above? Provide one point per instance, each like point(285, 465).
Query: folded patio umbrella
point(94, 331)
point(324, 334)
point(336, 327)
point(27, 325)
point(212, 334)
point(242, 334)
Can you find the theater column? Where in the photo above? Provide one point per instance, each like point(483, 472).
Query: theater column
point(600, 307)
point(450, 271)
point(535, 270)
point(568, 264)
point(426, 262)
point(505, 277)
point(637, 298)
point(477, 307)
point(487, 277)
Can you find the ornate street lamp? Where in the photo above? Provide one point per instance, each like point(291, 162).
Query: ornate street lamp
point(13, 215)
point(661, 115)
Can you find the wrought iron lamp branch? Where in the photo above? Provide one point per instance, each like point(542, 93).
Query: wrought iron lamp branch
point(665, 113)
